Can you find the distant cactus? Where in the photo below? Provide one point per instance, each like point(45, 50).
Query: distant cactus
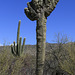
point(18, 49)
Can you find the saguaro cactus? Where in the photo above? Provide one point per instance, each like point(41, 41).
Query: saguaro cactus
point(39, 10)
point(18, 49)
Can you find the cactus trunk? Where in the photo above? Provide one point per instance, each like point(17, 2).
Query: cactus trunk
point(41, 37)
point(39, 10)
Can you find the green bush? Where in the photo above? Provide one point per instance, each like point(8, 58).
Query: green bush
point(10, 65)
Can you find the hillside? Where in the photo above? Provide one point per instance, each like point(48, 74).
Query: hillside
point(25, 65)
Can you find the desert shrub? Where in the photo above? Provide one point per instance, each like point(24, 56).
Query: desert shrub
point(10, 65)
point(65, 53)
point(69, 63)
point(5, 61)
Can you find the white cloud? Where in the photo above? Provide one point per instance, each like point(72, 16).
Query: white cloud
point(1, 44)
point(13, 44)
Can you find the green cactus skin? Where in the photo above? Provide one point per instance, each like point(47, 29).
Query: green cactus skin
point(39, 10)
point(18, 49)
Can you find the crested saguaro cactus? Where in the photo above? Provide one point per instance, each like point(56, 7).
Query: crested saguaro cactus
point(18, 49)
point(39, 10)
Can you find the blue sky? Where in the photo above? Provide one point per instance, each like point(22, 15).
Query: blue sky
point(62, 20)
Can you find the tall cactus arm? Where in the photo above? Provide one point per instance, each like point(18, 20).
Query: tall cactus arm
point(20, 45)
point(49, 6)
point(12, 51)
point(30, 12)
point(23, 45)
point(14, 47)
point(18, 31)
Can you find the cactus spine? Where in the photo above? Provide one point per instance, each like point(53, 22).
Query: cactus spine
point(17, 50)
